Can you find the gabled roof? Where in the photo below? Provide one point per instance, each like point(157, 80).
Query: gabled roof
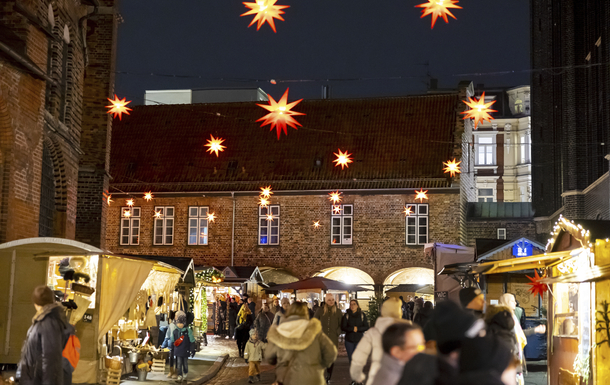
point(490, 253)
point(396, 143)
point(242, 274)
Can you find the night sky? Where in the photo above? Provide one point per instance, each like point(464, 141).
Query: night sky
point(348, 41)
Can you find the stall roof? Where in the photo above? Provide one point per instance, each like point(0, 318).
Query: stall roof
point(184, 264)
point(597, 229)
point(505, 245)
point(51, 246)
point(522, 263)
point(241, 274)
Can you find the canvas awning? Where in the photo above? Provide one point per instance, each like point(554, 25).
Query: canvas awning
point(521, 263)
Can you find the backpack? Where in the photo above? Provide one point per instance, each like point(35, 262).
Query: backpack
point(72, 351)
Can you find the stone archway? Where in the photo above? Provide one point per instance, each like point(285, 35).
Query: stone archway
point(410, 281)
point(352, 276)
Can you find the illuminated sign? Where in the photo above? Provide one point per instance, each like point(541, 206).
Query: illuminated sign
point(523, 249)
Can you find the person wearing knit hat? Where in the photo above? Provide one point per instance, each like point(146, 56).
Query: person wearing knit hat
point(183, 340)
point(253, 354)
point(41, 357)
point(473, 299)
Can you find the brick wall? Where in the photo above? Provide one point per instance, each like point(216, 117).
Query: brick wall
point(487, 229)
point(597, 199)
point(378, 248)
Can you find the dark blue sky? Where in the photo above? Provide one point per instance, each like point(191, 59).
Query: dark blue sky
point(320, 39)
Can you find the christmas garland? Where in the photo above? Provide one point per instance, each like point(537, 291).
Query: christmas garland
point(210, 275)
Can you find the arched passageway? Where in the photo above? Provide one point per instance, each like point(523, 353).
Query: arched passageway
point(410, 282)
point(353, 276)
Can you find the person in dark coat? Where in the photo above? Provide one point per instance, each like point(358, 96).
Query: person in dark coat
point(486, 360)
point(242, 331)
point(404, 307)
point(473, 300)
point(423, 316)
point(316, 306)
point(410, 309)
point(263, 322)
point(330, 317)
point(233, 309)
point(354, 324)
point(41, 357)
point(252, 306)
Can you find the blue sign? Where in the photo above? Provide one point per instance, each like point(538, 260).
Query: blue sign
point(523, 249)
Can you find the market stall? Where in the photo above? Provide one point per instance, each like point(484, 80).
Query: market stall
point(103, 286)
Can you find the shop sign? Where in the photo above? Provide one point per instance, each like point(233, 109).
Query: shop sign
point(523, 249)
point(440, 295)
point(87, 318)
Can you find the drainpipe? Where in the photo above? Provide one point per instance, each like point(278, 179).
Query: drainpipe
point(233, 230)
point(26, 63)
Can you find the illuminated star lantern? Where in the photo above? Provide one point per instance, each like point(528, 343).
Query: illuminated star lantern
point(537, 287)
point(211, 217)
point(408, 211)
point(280, 114)
point(452, 167)
point(266, 191)
point(343, 159)
point(263, 202)
point(215, 145)
point(337, 209)
point(118, 107)
point(316, 224)
point(438, 8)
point(108, 200)
point(127, 213)
point(421, 195)
point(270, 217)
point(479, 110)
point(158, 214)
point(265, 11)
point(335, 197)
point(148, 196)
point(130, 202)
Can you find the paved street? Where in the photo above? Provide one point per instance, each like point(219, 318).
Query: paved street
point(536, 373)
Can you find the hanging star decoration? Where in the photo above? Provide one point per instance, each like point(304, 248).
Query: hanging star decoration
point(265, 11)
point(127, 213)
point(148, 196)
point(537, 287)
point(263, 202)
point(438, 8)
point(343, 159)
point(316, 224)
point(421, 195)
point(266, 192)
point(108, 200)
point(215, 145)
point(280, 114)
point(130, 202)
point(479, 110)
point(408, 211)
point(270, 217)
point(158, 214)
point(337, 209)
point(118, 107)
point(335, 197)
point(452, 167)
point(211, 217)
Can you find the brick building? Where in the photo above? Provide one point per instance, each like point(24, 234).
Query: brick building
point(56, 66)
point(398, 146)
point(570, 109)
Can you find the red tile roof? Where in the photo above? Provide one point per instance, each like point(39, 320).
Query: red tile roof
point(396, 143)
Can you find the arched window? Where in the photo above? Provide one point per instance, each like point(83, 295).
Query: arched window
point(47, 195)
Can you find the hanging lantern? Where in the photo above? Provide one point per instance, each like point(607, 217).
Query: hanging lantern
point(265, 11)
point(270, 217)
point(280, 114)
point(421, 195)
point(158, 214)
point(211, 217)
point(408, 211)
point(537, 287)
point(438, 8)
point(118, 107)
point(266, 192)
point(263, 202)
point(337, 210)
point(452, 167)
point(148, 196)
point(479, 110)
point(129, 202)
point(335, 197)
point(343, 159)
point(316, 224)
point(214, 145)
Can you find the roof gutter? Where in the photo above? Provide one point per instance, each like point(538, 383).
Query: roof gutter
point(27, 63)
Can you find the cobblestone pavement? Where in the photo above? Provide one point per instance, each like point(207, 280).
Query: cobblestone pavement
point(537, 373)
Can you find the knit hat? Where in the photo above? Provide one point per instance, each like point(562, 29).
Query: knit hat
point(181, 317)
point(484, 354)
point(452, 324)
point(468, 294)
point(43, 295)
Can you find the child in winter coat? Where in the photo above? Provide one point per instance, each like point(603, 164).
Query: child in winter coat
point(254, 355)
point(184, 349)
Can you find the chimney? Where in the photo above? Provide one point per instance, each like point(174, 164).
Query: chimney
point(325, 92)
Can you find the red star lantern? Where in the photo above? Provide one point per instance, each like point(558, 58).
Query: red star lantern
point(280, 114)
point(265, 11)
point(537, 287)
point(118, 107)
point(438, 8)
point(215, 145)
point(479, 110)
point(452, 167)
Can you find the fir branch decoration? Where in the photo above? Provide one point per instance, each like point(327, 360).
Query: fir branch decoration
point(602, 324)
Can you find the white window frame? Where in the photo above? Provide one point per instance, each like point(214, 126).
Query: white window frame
point(501, 233)
point(198, 226)
point(485, 197)
point(524, 154)
point(164, 226)
point(342, 225)
point(130, 226)
point(417, 225)
point(267, 228)
point(489, 151)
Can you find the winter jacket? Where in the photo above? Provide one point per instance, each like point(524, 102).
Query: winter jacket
point(300, 351)
point(331, 323)
point(242, 331)
point(279, 316)
point(254, 350)
point(370, 345)
point(410, 309)
point(390, 371)
point(252, 306)
point(167, 343)
point(351, 320)
point(233, 309)
point(423, 316)
point(41, 357)
point(426, 369)
point(262, 323)
point(184, 349)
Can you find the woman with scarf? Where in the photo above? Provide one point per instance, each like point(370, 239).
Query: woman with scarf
point(510, 302)
point(242, 331)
